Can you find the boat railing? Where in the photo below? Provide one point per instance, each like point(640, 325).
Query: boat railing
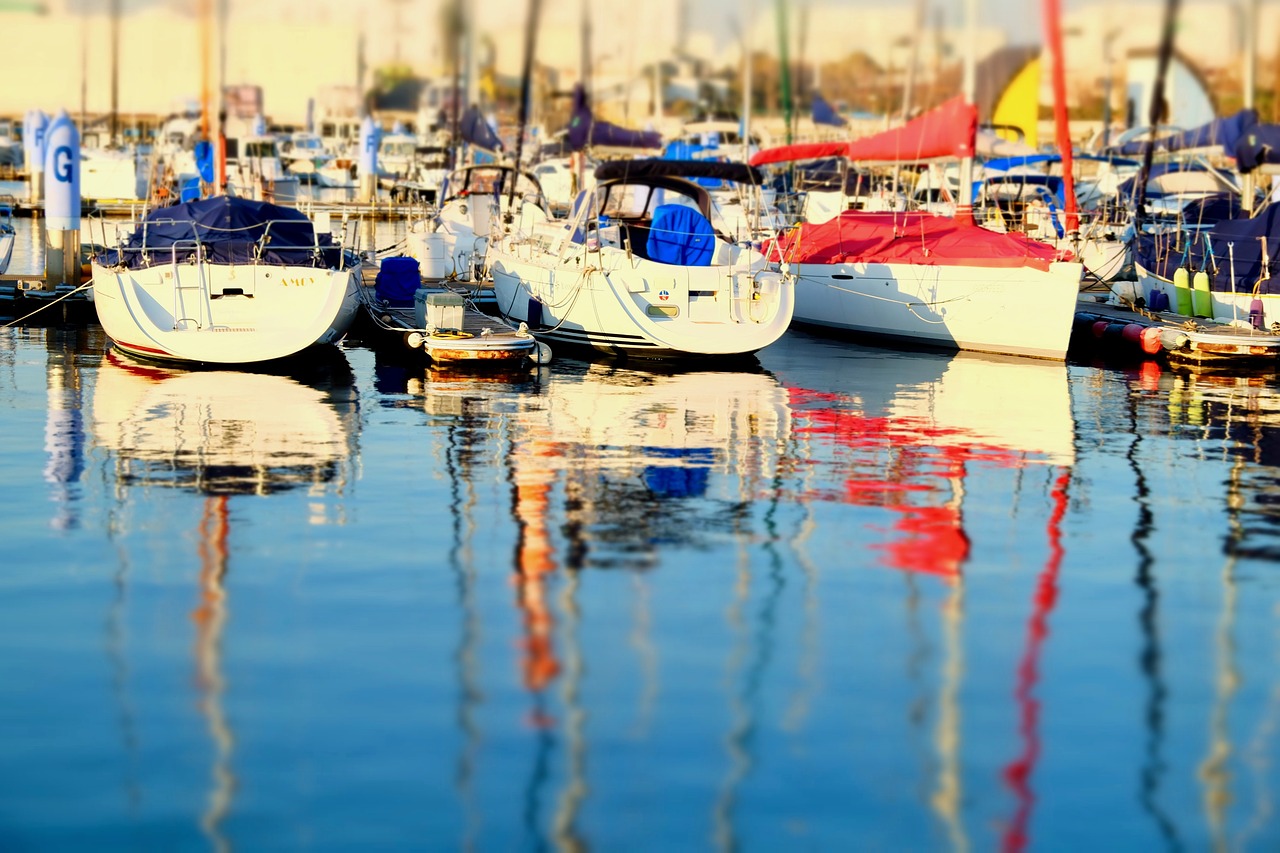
point(196, 249)
point(179, 312)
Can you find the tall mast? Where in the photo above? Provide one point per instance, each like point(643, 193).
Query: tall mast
point(1053, 37)
point(784, 65)
point(746, 80)
point(115, 70)
point(1156, 111)
point(530, 43)
point(964, 200)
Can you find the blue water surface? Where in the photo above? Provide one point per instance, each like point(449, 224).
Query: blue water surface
point(844, 597)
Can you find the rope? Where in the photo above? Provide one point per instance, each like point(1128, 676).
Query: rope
point(49, 304)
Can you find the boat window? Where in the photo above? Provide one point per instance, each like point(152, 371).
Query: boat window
point(260, 149)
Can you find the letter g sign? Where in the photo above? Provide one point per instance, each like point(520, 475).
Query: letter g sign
point(62, 163)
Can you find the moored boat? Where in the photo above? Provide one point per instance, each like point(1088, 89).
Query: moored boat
point(225, 280)
point(640, 271)
point(931, 280)
point(442, 323)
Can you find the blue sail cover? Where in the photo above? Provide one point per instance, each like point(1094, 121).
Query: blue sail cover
point(1225, 132)
point(1250, 247)
point(476, 131)
point(824, 113)
point(585, 130)
point(1129, 187)
point(1257, 147)
point(231, 231)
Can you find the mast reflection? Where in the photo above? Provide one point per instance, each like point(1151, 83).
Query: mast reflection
point(911, 455)
point(221, 434)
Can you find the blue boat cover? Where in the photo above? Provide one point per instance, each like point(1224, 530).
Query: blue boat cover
point(1225, 132)
point(1260, 145)
point(231, 230)
point(1129, 187)
point(680, 235)
point(398, 280)
point(1250, 247)
point(477, 131)
point(585, 130)
point(824, 113)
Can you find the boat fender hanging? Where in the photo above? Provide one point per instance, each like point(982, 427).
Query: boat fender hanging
point(541, 354)
point(1201, 298)
point(1182, 290)
point(1150, 340)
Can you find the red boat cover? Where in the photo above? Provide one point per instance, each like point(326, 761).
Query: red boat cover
point(802, 151)
point(947, 131)
point(908, 238)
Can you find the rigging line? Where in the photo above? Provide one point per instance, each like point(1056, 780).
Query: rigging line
point(47, 305)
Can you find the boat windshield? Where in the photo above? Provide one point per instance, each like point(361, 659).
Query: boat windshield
point(638, 201)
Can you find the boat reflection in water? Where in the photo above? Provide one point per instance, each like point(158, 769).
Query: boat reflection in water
point(221, 434)
point(612, 468)
point(912, 455)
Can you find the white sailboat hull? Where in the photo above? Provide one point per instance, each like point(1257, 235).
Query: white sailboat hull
point(1012, 311)
point(626, 305)
point(224, 314)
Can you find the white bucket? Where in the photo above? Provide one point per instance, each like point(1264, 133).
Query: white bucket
point(431, 253)
point(435, 256)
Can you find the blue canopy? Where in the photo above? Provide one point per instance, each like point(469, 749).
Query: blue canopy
point(585, 130)
point(1260, 145)
point(231, 231)
point(1250, 247)
point(1221, 131)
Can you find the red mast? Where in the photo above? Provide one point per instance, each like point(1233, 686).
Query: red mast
point(1053, 39)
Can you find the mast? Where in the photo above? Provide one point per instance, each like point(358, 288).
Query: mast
point(530, 42)
point(745, 130)
point(115, 70)
point(1247, 185)
point(964, 199)
point(1157, 109)
point(1062, 127)
point(784, 65)
point(913, 61)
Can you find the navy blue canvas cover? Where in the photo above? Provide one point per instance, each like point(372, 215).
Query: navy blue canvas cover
point(477, 131)
point(680, 235)
point(231, 231)
point(585, 130)
point(824, 113)
point(1259, 146)
point(1224, 132)
point(1253, 244)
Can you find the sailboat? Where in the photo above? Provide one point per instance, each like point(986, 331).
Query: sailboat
point(225, 280)
point(640, 271)
point(921, 278)
point(925, 279)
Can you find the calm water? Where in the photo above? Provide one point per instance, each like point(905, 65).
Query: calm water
point(854, 597)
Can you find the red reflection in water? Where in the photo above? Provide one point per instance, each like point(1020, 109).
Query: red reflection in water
point(910, 463)
point(1018, 773)
point(535, 561)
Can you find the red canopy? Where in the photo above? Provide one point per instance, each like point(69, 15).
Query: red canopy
point(908, 238)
